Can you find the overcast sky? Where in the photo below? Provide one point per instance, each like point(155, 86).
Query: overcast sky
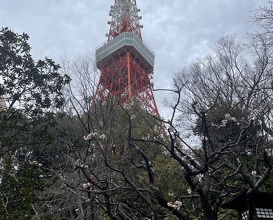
point(178, 31)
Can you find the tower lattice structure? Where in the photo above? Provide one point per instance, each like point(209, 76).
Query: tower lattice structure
point(126, 63)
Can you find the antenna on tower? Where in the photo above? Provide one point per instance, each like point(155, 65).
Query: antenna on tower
point(125, 18)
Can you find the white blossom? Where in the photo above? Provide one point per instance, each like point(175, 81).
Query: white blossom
point(35, 163)
point(127, 106)
point(189, 191)
point(185, 159)
point(86, 138)
point(249, 153)
point(200, 177)
point(227, 116)
point(78, 162)
point(62, 177)
point(214, 125)
point(176, 142)
point(89, 136)
point(269, 152)
point(86, 185)
point(254, 173)
point(225, 121)
point(176, 205)
point(171, 128)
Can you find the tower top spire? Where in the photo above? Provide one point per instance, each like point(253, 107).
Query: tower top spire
point(125, 18)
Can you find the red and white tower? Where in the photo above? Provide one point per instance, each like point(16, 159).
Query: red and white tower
point(125, 61)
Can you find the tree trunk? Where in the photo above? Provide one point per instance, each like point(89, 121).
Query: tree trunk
point(209, 215)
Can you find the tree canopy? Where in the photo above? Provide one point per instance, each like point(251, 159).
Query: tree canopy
point(32, 93)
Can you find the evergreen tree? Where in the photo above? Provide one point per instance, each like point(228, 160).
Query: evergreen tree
point(33, 93)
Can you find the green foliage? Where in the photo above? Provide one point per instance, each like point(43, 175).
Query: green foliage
point(36, 85)
point(19, 192)
point(268, 185)
point(33, 92)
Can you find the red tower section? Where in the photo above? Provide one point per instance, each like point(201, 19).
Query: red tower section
point(125, 61)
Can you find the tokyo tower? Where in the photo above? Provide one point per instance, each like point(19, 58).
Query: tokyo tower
point(125, 61)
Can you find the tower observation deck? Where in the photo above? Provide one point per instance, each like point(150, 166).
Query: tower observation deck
point(125, 61)
point(125, 41)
